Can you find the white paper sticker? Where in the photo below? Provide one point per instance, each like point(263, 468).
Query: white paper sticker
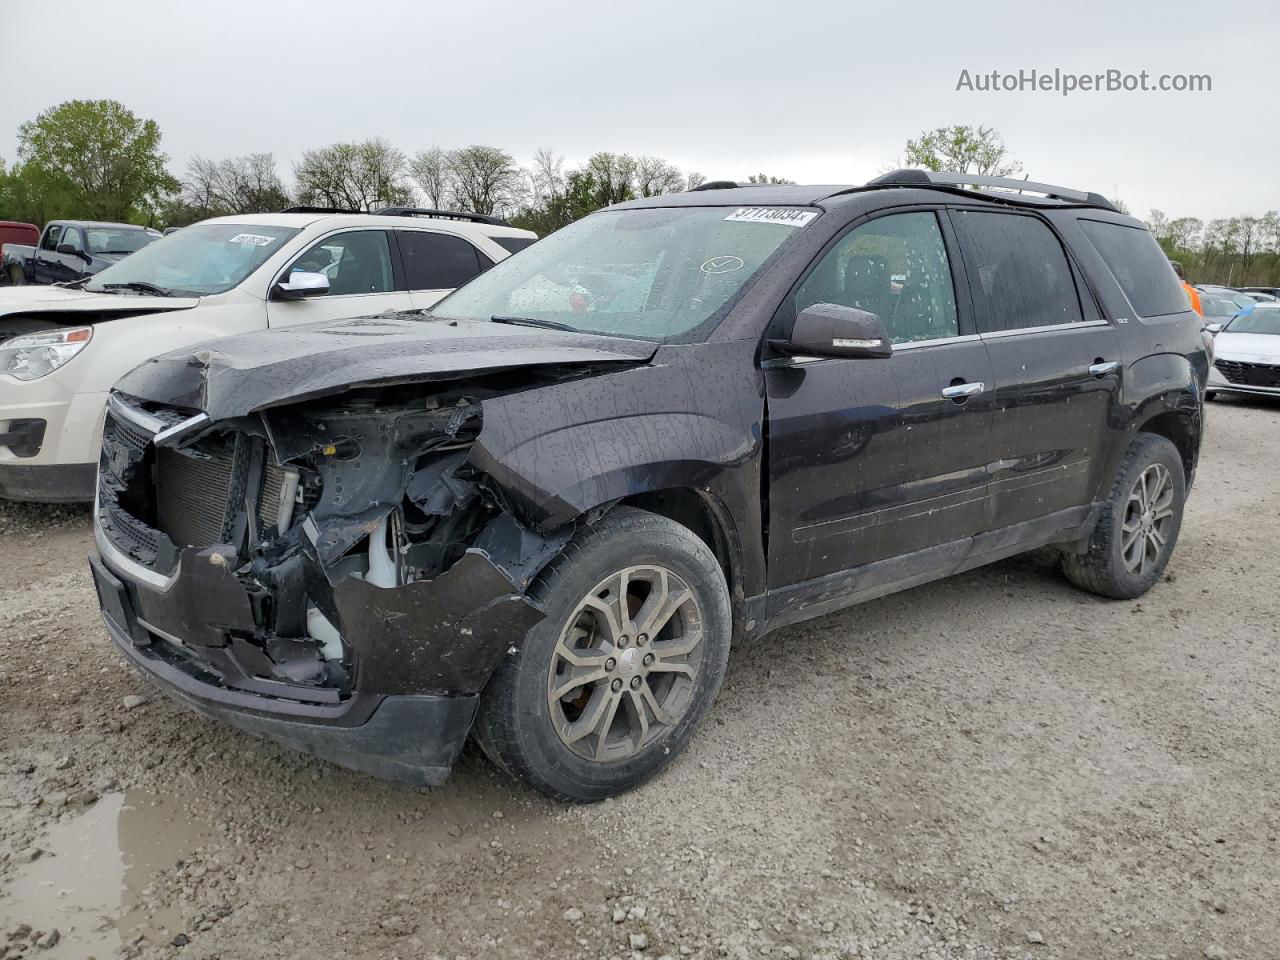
point(256, 239)
point(788, 216)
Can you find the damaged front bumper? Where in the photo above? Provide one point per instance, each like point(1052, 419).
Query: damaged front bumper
point(356, 618)
point(383, 728)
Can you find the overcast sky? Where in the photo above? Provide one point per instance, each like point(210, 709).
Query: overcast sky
point(818, 92)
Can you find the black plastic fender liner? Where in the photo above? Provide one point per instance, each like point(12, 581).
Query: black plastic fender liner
point(444, 635)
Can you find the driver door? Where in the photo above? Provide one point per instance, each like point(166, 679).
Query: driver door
point(364, 279)
point(877, 466)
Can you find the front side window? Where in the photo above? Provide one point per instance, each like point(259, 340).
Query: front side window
point(51, 236)
point(104, 240)
point(356, 263)
point(438, 261)
point(71, 237)
point(895, 267)
point(1019, 276)
point(205, 258)
point(660, 273)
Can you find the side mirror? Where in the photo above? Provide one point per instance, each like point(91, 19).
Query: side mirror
point(1214, 328)
point(830, 330)
point(71, 249)
point(301, 285)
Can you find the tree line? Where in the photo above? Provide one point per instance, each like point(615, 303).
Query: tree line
point(95, 159)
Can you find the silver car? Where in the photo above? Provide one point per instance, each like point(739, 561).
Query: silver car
point(1247, 353)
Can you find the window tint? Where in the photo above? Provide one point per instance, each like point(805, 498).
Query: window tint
point(438, 261)
point(895, 267)
point(1139, 266)
point(71, 236)
point(355, 263)
point(51, 236)
point(1018, 273)
point(512, 244)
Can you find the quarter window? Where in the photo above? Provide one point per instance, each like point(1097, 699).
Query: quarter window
point(355, 263)
point(438, 261)
point(895, 267)
point(1019, 276)
point(1139, 266)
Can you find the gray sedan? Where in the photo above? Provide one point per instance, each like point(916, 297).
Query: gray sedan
point(1247, 353)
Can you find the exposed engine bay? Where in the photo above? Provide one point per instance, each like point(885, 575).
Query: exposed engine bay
point(293, 541)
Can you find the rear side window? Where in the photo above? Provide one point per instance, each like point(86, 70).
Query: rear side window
point(1019, 276)
point(513, 244)
point(1139, 266)
point(438, 261)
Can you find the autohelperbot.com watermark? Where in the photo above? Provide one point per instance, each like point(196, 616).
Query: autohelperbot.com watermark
point(1066, 82)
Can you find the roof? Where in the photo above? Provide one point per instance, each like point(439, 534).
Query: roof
point(741, 196)
point(300, 220)
point(100, 223)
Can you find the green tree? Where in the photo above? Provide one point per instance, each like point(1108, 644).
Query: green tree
point(96, 157)
point(962, 149)
point(354, 176)
point(767, 178)
point(486, 180)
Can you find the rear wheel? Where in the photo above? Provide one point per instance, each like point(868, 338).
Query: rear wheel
point(16, 277)
point(1136, 534)
point(607, 689)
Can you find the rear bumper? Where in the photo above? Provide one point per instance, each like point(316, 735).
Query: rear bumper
point(410, 738)
point(48, 483)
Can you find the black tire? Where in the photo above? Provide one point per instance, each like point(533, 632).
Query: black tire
point(1102, 568)
point(1210, 395)
point(515, 725)
point(16, 277)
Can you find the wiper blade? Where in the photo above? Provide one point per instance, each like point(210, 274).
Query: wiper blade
point(141, 286)
point(534, 322)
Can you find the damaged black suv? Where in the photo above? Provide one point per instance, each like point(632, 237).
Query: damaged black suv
point(540, 513)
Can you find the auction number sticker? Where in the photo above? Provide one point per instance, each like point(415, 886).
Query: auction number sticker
point(254, 239)
point(789, 216)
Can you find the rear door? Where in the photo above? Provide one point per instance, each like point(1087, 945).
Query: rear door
point(1056, 360)
point(364, 279)
point(436, 263)
point(873, 459)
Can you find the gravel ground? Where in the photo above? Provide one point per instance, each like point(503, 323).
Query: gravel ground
point(992, 766)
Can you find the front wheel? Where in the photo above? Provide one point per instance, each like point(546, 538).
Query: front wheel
point(609, 688)
point(1135, 536)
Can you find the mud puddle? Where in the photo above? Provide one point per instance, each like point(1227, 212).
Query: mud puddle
point(91, 882)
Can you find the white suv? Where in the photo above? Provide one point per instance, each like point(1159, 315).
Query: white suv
point(63, 347)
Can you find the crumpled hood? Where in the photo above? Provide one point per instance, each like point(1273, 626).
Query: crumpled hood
point(1247, 347)
point(33, 299)
point(237, 375)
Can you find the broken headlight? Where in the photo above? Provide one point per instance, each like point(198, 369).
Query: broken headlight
point(34, 355)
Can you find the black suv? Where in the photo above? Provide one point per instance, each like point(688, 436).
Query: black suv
point(541, 512)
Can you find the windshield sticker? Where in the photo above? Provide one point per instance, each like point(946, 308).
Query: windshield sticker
point(722, 265)
point(254, 239)
point(789, 216)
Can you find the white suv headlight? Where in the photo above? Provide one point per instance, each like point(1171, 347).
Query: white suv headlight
point(33, 355)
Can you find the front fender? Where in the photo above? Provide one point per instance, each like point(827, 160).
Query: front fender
point(692, 418)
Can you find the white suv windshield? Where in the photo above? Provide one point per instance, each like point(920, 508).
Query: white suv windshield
point(202, 259)
point(657, 274)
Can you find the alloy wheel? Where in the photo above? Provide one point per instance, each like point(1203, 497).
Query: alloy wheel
point(625, 665)
point(1148, 518)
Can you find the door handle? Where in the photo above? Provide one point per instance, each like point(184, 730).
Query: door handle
point(1102, 367)
point(963, 391)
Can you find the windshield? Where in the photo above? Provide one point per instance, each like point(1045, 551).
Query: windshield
point(664, 273)
point(1260, 320)
point(107, 240)
point(1218, 307)
point(201, 259)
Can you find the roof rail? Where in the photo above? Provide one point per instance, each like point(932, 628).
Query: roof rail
point(944, 178)
point(307, 209)
point(441, 215)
